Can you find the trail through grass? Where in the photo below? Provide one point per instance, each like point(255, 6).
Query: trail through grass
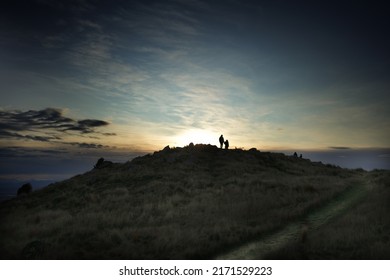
point(258, 249)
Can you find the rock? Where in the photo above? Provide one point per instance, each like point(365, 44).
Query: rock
point(25, 189)
point(166, 149)
point(101, 163)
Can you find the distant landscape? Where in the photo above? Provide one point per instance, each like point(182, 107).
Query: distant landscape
point(54, 169)
point(203, 202)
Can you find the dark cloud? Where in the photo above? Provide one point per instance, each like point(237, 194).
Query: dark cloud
point(15, 135)
point(24, 152)
point(88, 145)
point(32, 119)
point(92, 123)
point(86, 126)
point(340, 148)
point(45, 125)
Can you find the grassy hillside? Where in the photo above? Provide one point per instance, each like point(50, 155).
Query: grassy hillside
point(182, 203)
point(361, 233)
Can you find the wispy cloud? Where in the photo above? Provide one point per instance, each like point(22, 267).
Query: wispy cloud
point(49, 125)
point(170, 20)
point(88, 145)
point(49, 118)
point(159, 68)
point(384, 156)
point(22, 152)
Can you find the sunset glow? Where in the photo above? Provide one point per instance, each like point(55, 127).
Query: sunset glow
point(87, 79)
point(197, 136)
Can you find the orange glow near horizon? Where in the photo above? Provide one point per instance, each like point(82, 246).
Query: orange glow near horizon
point(196, 136)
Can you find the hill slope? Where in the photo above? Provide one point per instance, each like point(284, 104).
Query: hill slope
point(181, 203)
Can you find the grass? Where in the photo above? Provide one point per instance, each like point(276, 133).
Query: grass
point(183, 203)
point(360, 233)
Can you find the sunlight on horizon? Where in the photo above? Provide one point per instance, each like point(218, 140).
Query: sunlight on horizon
point(196, 136)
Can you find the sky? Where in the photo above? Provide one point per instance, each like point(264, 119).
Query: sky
point(82, 79)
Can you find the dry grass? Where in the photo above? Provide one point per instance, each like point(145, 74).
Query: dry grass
point(361, 233)
point(185, 203)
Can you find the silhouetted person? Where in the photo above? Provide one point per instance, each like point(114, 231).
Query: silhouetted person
point(300, 156)
point(227, 144)
point(295, 154)
point(221, 140)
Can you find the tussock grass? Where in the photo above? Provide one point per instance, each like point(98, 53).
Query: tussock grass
point(360, 233)
point(183, 203)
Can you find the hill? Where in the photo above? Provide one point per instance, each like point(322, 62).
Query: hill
point(181, 203)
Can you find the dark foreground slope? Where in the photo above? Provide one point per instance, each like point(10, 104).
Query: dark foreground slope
point(181, 203)
point(360, 233)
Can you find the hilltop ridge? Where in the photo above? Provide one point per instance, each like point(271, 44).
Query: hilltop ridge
point(177, 203)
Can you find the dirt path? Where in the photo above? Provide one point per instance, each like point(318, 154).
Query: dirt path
point(294, 231)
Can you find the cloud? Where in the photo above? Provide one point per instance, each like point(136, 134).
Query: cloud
point(14, 151)
point(340, 148)
point(86, 126)
point(89, 24)
point(53, 42)
point(384, 155)
point(20, 121)
point(14, 135)
point(88, 145)
point(171, 20)
point(47, 125)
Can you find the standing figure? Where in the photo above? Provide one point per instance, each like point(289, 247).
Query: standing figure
point(221, 141)
point(227, 144)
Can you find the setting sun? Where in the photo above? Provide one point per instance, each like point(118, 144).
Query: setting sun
point(197, 136)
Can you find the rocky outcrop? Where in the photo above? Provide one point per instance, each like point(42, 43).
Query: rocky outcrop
point(25, 189)
point(101, 163)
